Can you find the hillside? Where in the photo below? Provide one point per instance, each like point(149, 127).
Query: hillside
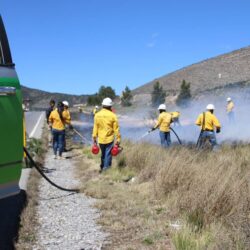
point(209, 74)
point(40, 99)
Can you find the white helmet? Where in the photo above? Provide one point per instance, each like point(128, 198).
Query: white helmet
point(65, 103)
point(210, 107)
point(229, 99)
point(107, 102)
point(162, 107)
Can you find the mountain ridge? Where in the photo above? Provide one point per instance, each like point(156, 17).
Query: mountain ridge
point(206, 74)
point(39, 99)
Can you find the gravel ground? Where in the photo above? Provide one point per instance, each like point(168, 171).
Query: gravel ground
point(66, 220)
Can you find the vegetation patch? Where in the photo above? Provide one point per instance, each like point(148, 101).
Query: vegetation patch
point(27, 231)
point(149, 188)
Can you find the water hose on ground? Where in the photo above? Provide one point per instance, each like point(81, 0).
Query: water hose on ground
point(33, 163)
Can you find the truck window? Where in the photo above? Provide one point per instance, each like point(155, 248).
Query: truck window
point(5, 55)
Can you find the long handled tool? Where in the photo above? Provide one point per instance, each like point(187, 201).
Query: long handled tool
point(82, 137)
point(147, 133)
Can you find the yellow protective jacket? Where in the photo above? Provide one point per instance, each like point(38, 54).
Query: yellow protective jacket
point(66, 115)
point(56, 121)
point(175, 114)
point(106, 127)
point(210, 122)
point(230, 107)
point(164, 121)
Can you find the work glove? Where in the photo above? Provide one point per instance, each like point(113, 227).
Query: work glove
point(71, 127)
point(152, 129)
point(218, 130)
point(117, 143)
point(94, 141)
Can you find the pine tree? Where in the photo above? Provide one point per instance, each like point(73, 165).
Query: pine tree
point(126, 97)
point(158, 95)
point(103, 92)
point(185, 94)
point(106, 92)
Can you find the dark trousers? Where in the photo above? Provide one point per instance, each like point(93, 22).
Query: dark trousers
point(106, 157)
point(58, 141)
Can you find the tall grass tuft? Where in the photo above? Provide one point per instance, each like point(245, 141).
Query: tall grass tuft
point(206, 188)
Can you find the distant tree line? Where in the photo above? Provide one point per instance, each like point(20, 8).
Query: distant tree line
point(103, 92)
point(158, 95)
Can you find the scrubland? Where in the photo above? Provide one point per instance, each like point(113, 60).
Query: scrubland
point(177, 198)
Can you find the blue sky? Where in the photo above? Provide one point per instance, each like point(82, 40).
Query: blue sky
point(76, 46)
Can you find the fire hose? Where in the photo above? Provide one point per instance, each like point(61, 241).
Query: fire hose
point(147, 133)
point(176, 135)
point(198, 141)
point(45, 177)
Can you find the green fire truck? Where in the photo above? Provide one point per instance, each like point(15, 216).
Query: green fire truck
point(11, 121)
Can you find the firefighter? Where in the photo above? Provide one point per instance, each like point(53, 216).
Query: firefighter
point(68, 124)
point(230, 110)
point(52, 104)
point(58, 119)
point(106, 131)
point(175, 118)
point(163, 123)
point(95, 110)
point(208, 122)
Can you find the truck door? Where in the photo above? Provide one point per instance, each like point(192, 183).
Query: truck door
point(11, 124)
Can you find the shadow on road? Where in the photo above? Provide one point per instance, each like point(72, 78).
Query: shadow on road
point(10, 211)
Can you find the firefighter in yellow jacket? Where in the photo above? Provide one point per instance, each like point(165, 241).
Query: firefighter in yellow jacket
point(58, 119)
point(95, 110)
point(163, 123)
point(230, 110)
point(68, 125)
point(208, 122)
point(106, 132)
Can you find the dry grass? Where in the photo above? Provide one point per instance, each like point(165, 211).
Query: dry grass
point(207, 192)
point(27, 231)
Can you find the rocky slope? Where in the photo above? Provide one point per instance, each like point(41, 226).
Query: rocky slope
point(209, 74)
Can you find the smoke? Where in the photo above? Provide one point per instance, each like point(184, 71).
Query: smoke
point(135, 124)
